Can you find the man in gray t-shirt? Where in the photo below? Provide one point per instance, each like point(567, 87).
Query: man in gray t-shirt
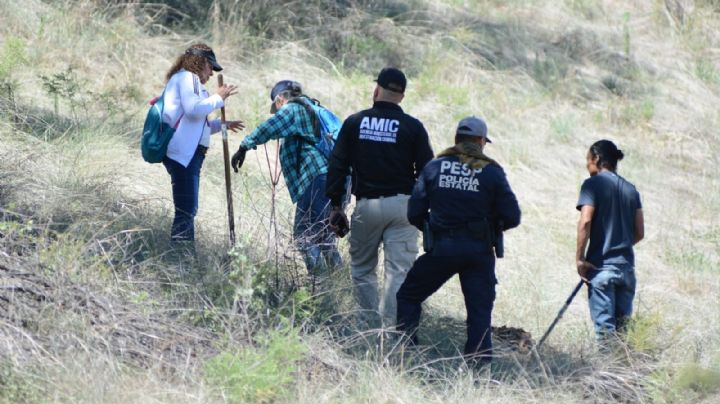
point(611, 219)
point(615, 202)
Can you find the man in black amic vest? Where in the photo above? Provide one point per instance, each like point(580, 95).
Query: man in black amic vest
point(386, 149)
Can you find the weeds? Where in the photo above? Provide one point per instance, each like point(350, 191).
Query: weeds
point(259, 373)
point(586, 8)
point(12, 57)
point(63, 85)
point(643, 333)
point(691, 261)
point(626, 35)
point(702, 380)
point(563, 129)
point(96, 306)
point(707, 72)
point(16, 387)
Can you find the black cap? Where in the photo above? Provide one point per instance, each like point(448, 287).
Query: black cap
point(392, 79)
point(284, 85)
point(280, 87)
point(207, 54)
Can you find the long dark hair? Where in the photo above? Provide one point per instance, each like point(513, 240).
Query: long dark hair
point(189, 62)
point(608, 154)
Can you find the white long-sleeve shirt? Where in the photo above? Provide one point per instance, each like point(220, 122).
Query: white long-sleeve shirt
point(187, 99)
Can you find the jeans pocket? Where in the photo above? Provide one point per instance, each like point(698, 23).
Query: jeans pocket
point(601, 279)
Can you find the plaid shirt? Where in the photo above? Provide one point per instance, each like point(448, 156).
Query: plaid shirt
point(300, 160)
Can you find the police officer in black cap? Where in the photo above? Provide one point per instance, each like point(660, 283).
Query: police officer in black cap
point(386, 150)
point(461, 200)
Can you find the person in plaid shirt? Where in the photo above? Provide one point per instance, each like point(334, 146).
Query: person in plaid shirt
point(305, 171)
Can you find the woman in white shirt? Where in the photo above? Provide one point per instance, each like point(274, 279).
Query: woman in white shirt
point(187, 106)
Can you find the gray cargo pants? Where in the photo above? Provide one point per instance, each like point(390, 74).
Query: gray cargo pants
point(383, 220)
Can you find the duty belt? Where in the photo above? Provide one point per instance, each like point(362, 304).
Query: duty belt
point(380, 196)
point(474, 230)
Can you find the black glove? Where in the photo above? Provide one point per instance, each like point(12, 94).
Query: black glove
point(339, 222)
point(238, 158)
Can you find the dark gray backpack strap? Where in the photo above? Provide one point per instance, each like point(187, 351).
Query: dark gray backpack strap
point(314, 121)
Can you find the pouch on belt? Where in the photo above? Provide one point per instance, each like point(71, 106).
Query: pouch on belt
point(427, 237)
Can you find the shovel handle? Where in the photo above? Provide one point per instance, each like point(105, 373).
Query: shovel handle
point(560, 313)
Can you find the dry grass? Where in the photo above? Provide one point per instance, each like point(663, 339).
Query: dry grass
point(93, 306)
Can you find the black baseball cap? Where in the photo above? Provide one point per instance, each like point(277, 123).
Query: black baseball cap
point(207, 54)
point(280, 87)
point(392, 79)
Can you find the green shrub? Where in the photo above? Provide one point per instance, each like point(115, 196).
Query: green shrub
point(260, 373)
point(712, 4)
point(638, 112)
point(562, 128)
point(706, 71)
point(697, 378)
point(626, 34)
point(691, 261)
point(251, 282)
point(63, 85)
point(646, 110)
point(17, 388)
point(13, 56)
point(588, 9)
point(643, 331)
point(548, 72)
point(299, 307)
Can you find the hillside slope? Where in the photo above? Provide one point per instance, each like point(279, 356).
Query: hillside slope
point(95, 307)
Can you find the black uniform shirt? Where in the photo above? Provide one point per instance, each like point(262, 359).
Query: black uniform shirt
point(386, 149)
point(450, 195)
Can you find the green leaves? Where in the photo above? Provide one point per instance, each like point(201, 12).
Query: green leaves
point(260, 373)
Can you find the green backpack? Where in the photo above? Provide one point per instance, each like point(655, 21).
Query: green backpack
point(156, 133)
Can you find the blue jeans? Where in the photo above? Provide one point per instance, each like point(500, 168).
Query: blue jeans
point(311, 229)
point(477, 279)
point(611, 293)
point(185, 190)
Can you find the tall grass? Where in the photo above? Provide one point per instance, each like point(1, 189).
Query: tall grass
point(95, 305)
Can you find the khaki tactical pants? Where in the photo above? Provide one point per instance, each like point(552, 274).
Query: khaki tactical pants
point(373, 221)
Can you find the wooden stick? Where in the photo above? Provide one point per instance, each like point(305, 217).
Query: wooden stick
point(226, 157)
